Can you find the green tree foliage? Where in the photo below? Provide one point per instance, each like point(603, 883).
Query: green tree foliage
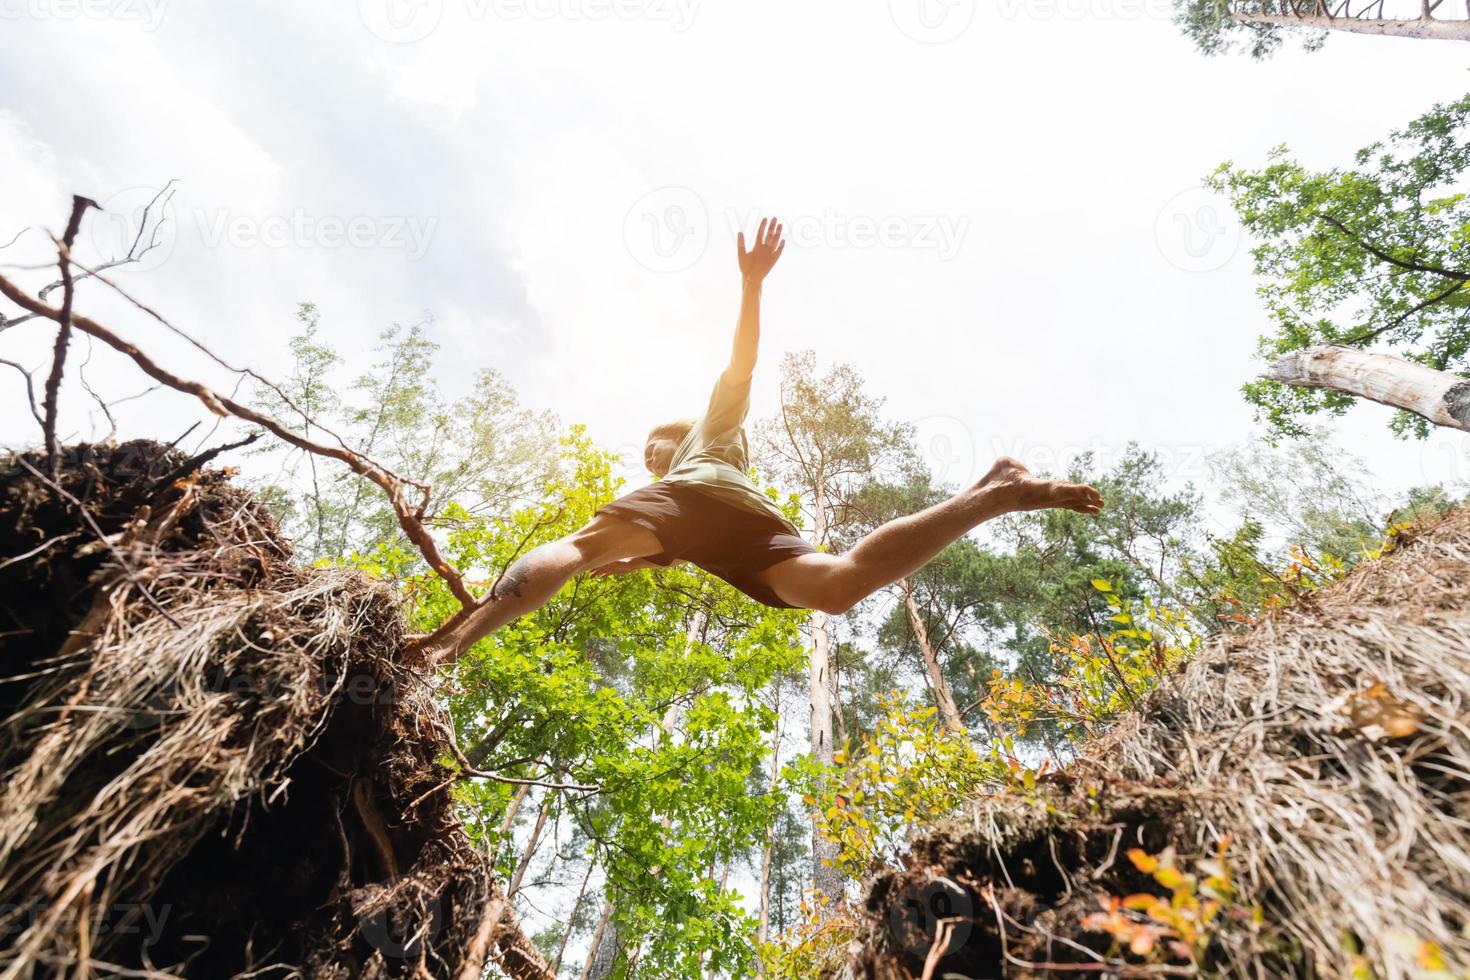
point(829, 440)
point(1305, 492)
point(483, 452)
point(956, 597)
point(578, 694)
point(580, 689)
point(1373, 254)
point(1137, 543)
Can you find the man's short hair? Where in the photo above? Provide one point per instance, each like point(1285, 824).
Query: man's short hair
point(675, 430)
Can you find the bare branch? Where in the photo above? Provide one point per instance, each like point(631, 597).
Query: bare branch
point(134, 253)
point(225, 406)
point(79, 206)
point(30, 389)
point(16, 238)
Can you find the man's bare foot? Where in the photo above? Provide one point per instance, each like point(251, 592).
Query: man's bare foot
point(1013, 488)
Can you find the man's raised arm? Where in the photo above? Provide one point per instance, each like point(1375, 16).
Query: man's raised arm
point(754, 265)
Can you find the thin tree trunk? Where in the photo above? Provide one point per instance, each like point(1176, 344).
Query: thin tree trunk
point(826, 880)
point(1446, 30)
point(1439, 396)
point(762, 932)
point(529, 851)
point(566, 934)
point(501, 914)
point(949, 711)
point(510, 817)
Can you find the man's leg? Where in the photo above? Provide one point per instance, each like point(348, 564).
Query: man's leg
point(836, 583)
point(537, 576)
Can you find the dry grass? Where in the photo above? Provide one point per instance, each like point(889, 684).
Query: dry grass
point(1330, 744)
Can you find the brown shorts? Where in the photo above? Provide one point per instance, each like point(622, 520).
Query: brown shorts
point(727, 541)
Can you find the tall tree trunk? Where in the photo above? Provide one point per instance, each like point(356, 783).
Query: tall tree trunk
point(762, 932)
point(605, 952)
point(1439, 396)
point(949, 711)
point(826, 880)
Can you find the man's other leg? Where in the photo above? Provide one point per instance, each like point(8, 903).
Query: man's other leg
point(836, 583)
point(537, 576)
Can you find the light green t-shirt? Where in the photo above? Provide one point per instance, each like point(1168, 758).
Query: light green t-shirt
point(715, 457)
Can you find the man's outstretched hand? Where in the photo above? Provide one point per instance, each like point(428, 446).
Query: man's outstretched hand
point(755, 263)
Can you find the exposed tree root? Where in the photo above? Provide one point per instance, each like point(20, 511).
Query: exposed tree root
point(1330, 746)
point(212, 760)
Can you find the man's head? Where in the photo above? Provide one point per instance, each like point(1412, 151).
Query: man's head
point(662, 442)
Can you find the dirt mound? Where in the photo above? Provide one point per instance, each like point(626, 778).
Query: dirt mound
point(211, 761)
point(1330, 746)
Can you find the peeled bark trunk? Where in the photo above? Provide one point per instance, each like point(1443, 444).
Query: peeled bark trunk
point(825, 878)
point(764, 929)
point(1439, 396)
point(949, 711)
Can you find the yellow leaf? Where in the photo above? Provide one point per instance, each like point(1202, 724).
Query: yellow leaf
point(1430, 957)
point(1143, 861)
point(1169, 878)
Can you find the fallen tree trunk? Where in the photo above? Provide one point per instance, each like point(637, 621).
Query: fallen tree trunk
point(1439, 396)
point(1423, 27)
point(212, 760)
point(1326, 752)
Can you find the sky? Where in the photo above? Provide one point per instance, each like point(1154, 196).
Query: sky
point(995, 209)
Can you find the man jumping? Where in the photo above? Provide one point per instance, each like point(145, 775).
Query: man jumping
point(705, 510)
